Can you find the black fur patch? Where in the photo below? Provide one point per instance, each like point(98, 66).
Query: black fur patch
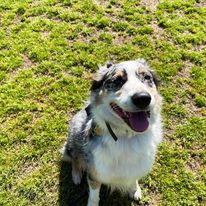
point(116, 80)
point(112, 80)
point(109, 64)
point(97, 84)
point(69, 151)
point(155, 79)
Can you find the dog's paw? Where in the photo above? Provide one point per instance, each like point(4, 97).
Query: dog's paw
point(136, 194)
point(76, 177)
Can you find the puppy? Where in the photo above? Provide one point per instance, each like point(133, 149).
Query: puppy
point(115, 137)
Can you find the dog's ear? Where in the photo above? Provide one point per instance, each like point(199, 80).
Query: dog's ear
point(109, 64)
point(142, 61)
point(99, 78)
point(155, 78)
point(96, 84)
point(101, 75)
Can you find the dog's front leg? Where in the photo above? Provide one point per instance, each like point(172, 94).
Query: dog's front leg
point(136, 193)
point(94, 188)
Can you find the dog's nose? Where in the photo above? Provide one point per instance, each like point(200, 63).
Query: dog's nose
point(141, 100)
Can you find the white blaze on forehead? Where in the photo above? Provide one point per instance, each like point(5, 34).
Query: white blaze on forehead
point(130, 65)
point(133, 83)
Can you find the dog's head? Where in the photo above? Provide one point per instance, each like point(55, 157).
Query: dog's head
point(126, 96)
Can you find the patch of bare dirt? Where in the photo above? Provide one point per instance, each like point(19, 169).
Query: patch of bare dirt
point(199, 48)
point(28, 168)
point(27, 63)
point(158, 32)
point(201, 4)
point(194, 164)
point(45, 34)
point(185, 71)
point(35, 3)
point(120, 40)
point(155, 198)
point(102, 3)
point(151, 4)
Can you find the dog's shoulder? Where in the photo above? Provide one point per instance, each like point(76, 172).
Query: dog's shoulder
point(78, 121)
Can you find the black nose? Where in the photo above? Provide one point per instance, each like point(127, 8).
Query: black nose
point(141, 100)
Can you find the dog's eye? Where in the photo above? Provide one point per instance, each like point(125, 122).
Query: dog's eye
point(115, 83)
point(118, 81)
point(147, 77)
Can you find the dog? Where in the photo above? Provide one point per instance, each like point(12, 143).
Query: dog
point(115, 137)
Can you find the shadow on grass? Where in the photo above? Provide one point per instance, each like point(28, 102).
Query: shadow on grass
point(77, 195)
point(70, 194)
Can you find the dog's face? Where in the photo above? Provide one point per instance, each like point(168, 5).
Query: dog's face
point(126, 95)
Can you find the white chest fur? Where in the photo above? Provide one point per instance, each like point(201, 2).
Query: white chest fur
point(122, 162)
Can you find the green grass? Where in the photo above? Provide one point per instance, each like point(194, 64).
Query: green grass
point(48, 52)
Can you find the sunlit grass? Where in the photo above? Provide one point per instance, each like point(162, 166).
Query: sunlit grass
point(48, 52)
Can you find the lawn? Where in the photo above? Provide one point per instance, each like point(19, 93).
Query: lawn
point(49, 50)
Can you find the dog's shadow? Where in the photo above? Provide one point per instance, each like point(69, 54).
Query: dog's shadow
point(70, 194)
point(73, 195)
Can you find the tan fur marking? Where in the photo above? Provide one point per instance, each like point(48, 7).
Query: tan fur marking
point(92, 174)
point(141, 70)
point(78, 164)
point(97, 131)
point(119, 73)
point(94, 184)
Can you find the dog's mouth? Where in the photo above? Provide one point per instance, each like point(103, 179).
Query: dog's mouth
point(137, 121)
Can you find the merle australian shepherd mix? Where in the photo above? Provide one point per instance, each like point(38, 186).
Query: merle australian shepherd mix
point(115, 137)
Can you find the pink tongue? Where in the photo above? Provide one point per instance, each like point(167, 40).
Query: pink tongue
point(138, 121)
